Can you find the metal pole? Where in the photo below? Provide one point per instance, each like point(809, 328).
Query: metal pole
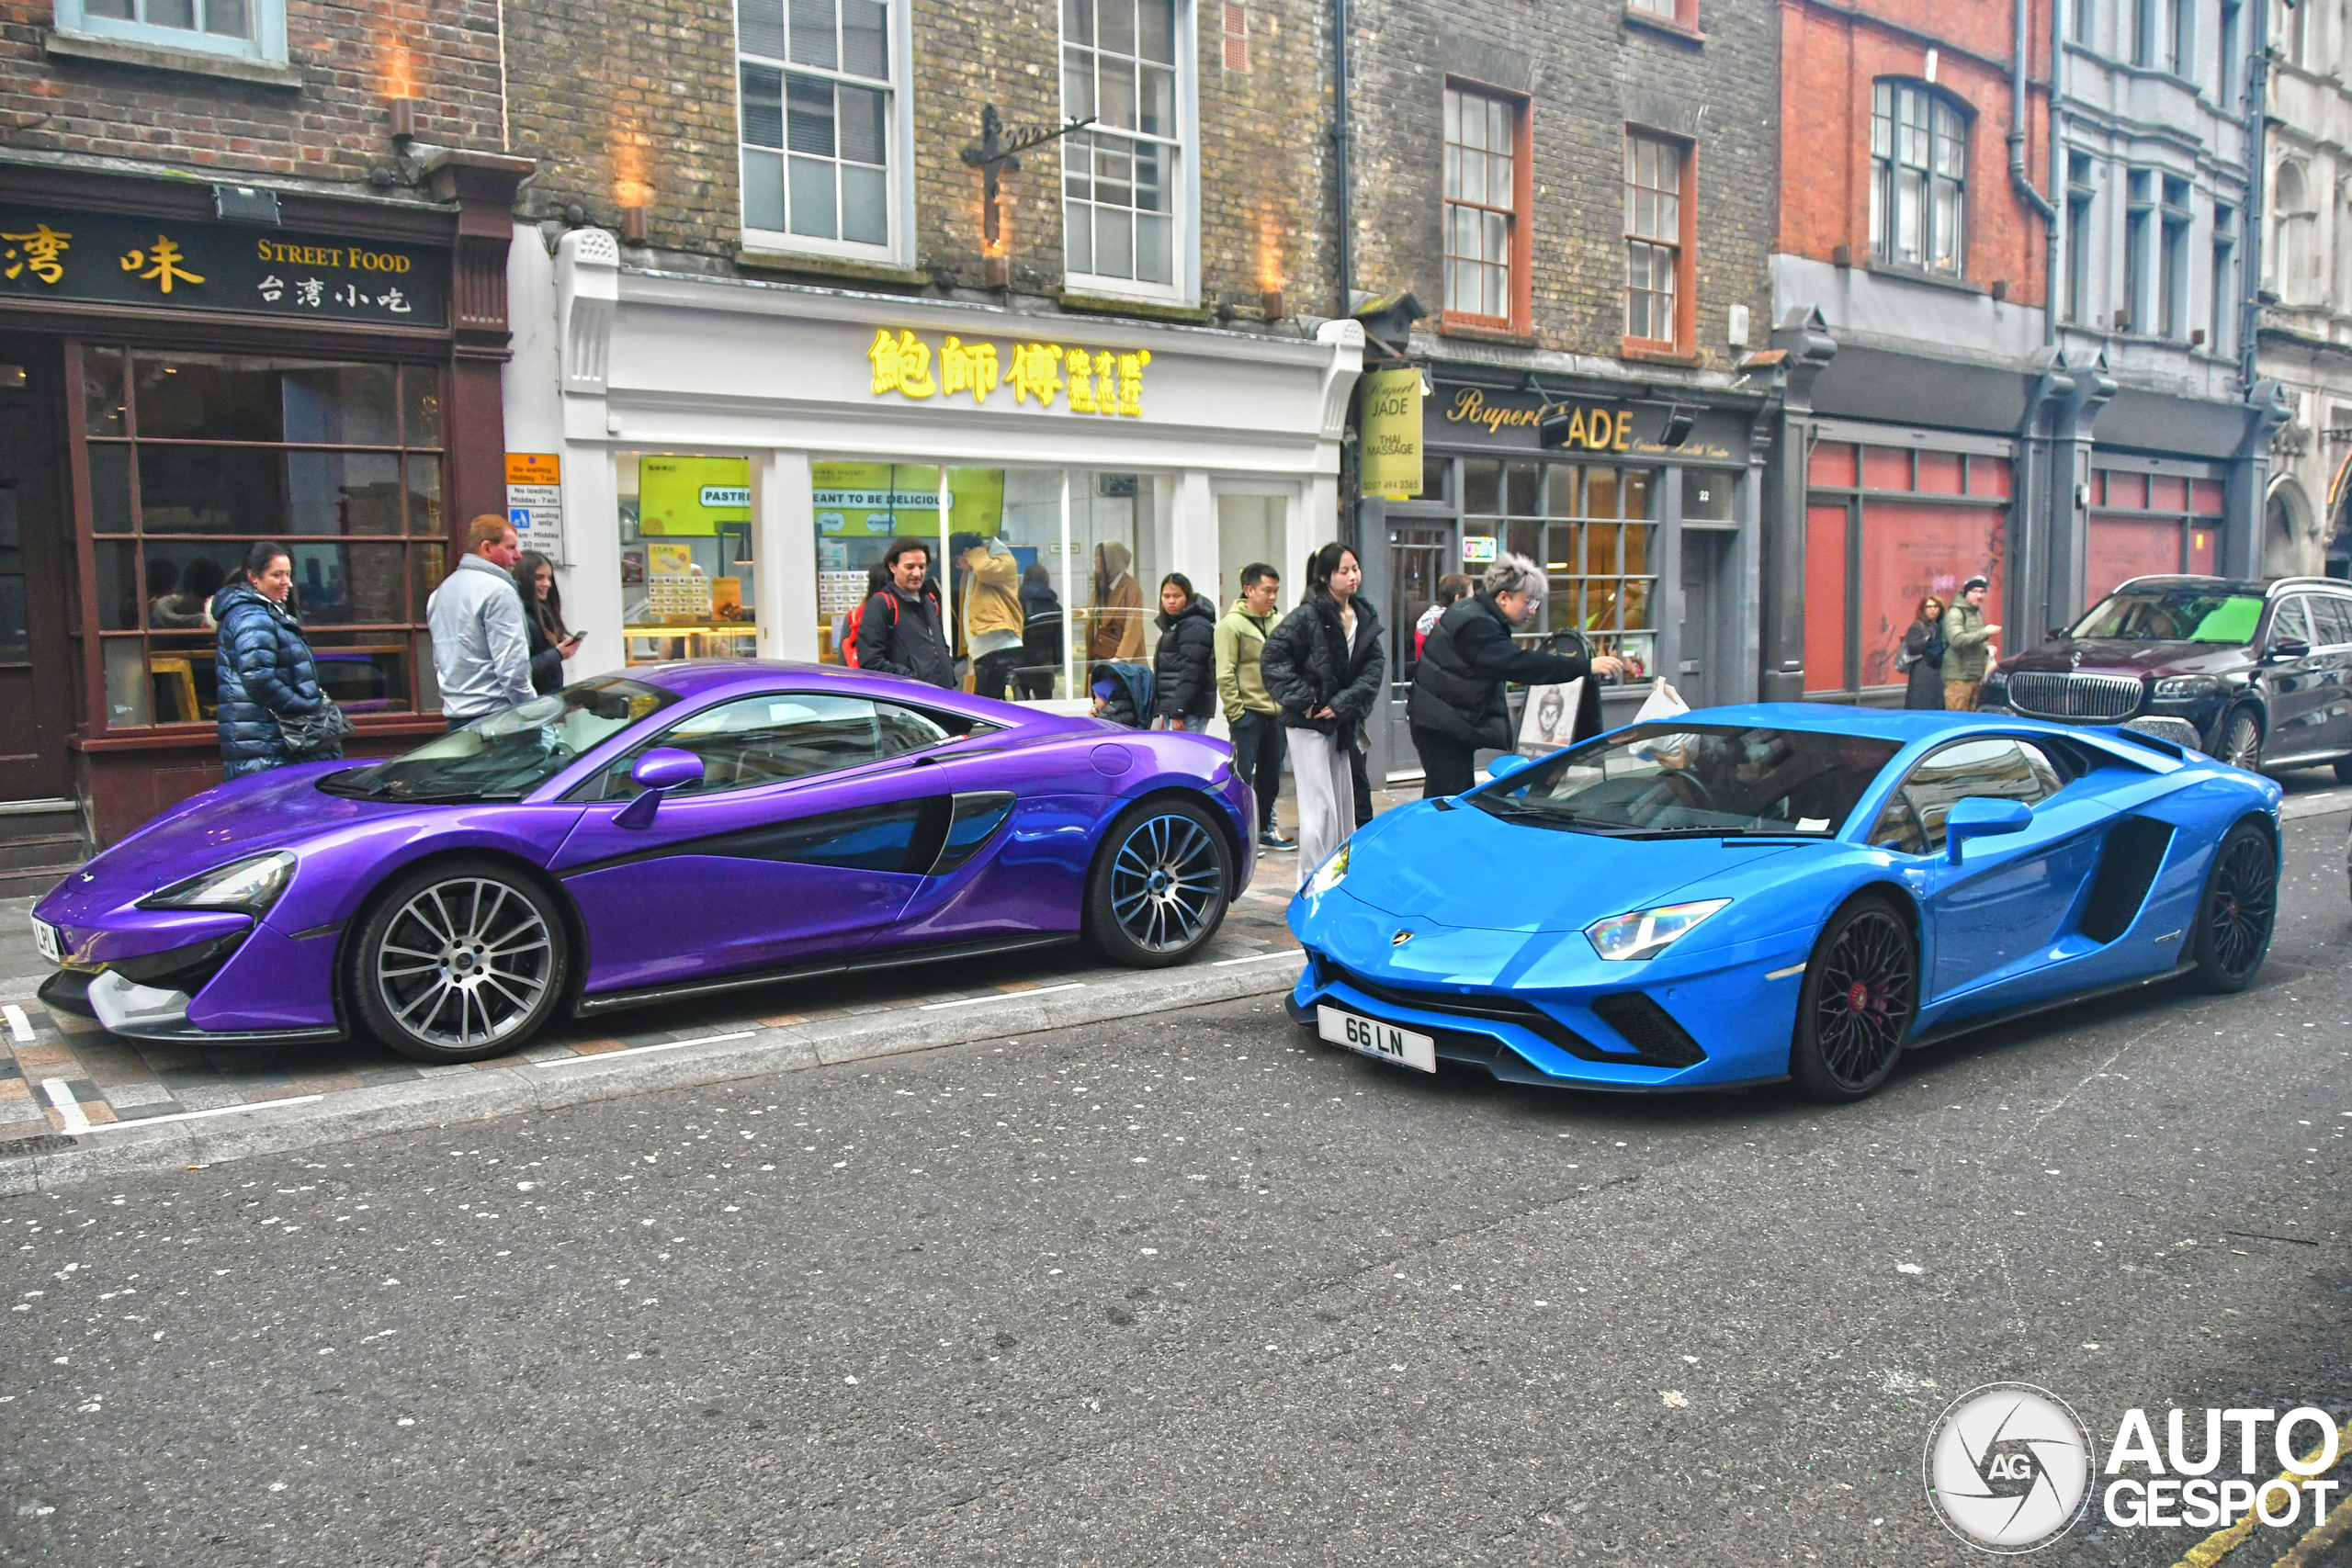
point(1069, 602)
point(1339, 156)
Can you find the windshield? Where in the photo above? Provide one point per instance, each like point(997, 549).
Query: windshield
point(1658, 780)
point(507, 755)
point(2182, 614)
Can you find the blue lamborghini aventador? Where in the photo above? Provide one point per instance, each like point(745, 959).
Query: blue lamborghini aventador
point(1743, 894)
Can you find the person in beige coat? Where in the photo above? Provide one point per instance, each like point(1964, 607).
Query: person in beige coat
point(1117, 610)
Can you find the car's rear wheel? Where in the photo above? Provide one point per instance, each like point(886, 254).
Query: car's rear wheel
point(2239, 908)
point(1160, 883)
point(1854, 1012)
point(459, 960)
point(2241, 744)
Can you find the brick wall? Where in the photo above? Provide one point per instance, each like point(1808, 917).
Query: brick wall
point(1831, 60)
point(644, 91)
point(1587, 73)
point(330, 122)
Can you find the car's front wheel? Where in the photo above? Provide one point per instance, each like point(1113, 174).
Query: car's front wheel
point(2241, 744)
point(2239, 908)
point(459, 960)
point(1854, 1012)
point(1158, 888)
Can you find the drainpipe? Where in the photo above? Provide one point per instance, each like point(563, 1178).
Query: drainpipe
point(2019, 180)
point(2058, 236)
point(1339, 156)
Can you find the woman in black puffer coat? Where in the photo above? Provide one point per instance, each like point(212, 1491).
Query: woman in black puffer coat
point(1324, 664)
point(1184, 667)
point(265, 666)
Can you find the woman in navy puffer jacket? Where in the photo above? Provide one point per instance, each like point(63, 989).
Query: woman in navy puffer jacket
point(264, 665)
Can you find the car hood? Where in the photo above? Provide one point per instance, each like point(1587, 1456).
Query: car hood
point(2106, 656)
point(278, 809)
point(1467, 869)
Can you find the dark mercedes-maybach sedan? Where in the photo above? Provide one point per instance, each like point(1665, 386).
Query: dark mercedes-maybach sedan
point(2261, 670)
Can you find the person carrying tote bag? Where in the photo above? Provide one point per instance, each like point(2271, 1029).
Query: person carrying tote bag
point(272, 710)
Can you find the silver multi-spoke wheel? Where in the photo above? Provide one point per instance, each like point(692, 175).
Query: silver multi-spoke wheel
point(459, 965)
point(1159, 889)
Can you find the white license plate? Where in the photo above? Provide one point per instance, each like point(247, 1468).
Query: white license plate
point(1373, 1038)
point(45, 941)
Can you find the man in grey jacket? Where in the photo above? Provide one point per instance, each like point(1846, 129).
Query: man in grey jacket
point(482, 653)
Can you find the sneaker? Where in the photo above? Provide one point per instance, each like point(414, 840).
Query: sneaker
point(1272, 839)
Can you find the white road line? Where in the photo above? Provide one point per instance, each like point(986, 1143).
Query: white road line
point(18, 1024)
point(642, 1050)
point(69, 1109)
point(1006, 997)
point(1256, 958)
point(197, 1115)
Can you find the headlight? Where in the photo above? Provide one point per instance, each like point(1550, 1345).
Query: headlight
point(2179, 688)
point(249, 886)
point(1645, 933)
point(1329, 875)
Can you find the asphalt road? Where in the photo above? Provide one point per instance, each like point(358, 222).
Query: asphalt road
point(1196, 1289)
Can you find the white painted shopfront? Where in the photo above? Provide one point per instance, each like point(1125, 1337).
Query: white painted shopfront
point(732, 454)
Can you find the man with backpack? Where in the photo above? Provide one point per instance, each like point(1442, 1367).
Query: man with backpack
point(900, 630)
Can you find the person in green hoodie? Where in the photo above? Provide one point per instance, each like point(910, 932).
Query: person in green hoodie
point(1254, 718)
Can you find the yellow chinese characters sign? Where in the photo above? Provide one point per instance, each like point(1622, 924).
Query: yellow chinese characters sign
point(1085, 381)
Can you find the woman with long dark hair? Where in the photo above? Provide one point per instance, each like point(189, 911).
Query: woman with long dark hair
point(266, 675)
point(551, 643)
point(1922, 659)
point(1323, 665)
point(1184, 667)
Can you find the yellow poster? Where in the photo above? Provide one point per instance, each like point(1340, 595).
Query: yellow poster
point(1392, 434)
point(668, 560)
point(692, 496)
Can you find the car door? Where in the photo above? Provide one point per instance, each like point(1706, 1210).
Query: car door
point(1993, 919)
point(2331, 621)
point(794, 849)
point(2297, 688)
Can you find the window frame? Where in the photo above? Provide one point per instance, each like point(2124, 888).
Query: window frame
point(1686, 260)
point(2082, 200)
point(1520, 248)
point(2223, 283)
point(2174, 221)
point(1900, 795)
point(1183, 151)
point(599, 784)
point(1887, 167)
point(267, 43)
point(1681, 15)
point(899, 249)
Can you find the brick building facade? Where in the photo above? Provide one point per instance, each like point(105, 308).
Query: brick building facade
point(276, 237)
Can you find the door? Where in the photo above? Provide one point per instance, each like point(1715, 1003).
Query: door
point(2331, 622)
point(37, 667)
point(2302, 691)
point(1992, 918)
point(1704, 669)
point(796, 848)
point(1419, 554)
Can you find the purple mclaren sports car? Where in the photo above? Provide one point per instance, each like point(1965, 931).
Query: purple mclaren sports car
point(682, 829)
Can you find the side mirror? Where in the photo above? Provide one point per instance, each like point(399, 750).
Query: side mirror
point(2287, 649)
point(658, 773)
point(2057, 634)
point(1507, 764)
point(1979, 817)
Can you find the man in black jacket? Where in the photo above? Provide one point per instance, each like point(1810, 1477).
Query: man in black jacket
point(1458, 707)
point(901, 630)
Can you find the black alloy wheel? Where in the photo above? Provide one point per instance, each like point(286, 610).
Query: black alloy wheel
point(1159, 885)
point(2241, 744)
point(458, 962)
point(1854, 1012)
point(2240, 907)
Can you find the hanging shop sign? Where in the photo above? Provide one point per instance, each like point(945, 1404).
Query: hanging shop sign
point(1503, 416)
point(1391, 450)
point(535, 501)
point(175, 263)
point(1039, 374)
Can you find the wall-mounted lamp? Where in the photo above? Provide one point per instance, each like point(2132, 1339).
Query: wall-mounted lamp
point(403, 120)
point(1270, 304)
point(1679, 422)
point(633, 225)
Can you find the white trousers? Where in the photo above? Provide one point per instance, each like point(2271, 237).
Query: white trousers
point(1327, 796)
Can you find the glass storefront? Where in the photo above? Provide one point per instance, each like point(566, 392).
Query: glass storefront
point(1593, 528)
point(192, 457)
point(687, 560)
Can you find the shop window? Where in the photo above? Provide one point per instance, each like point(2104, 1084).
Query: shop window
point(688, 570)
point(1592, 527)
point(1486, 192)
point(1826, 532)
point(1989, 476)
point(1122, 177)
point(824, 144)
point(1659, 215)
point(252, 30)
point(1918, 178)
point(1707, 495)
point(1832, 464)
point(1940, 472)
point(2146, 524)
point(193, 457)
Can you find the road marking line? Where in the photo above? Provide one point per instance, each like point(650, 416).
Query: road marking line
point(642, 1050)
point(2306, 1553)
point(19, 1025)
point(1007, 997)
point(216, 1111)
point(1256, 958)
point(2220, 1543)
point(68, 1107)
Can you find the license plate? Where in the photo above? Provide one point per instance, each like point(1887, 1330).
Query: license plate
point(45, 941)
point(1372, 1038)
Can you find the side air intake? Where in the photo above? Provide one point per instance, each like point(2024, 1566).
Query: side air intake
point(2127, 869)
